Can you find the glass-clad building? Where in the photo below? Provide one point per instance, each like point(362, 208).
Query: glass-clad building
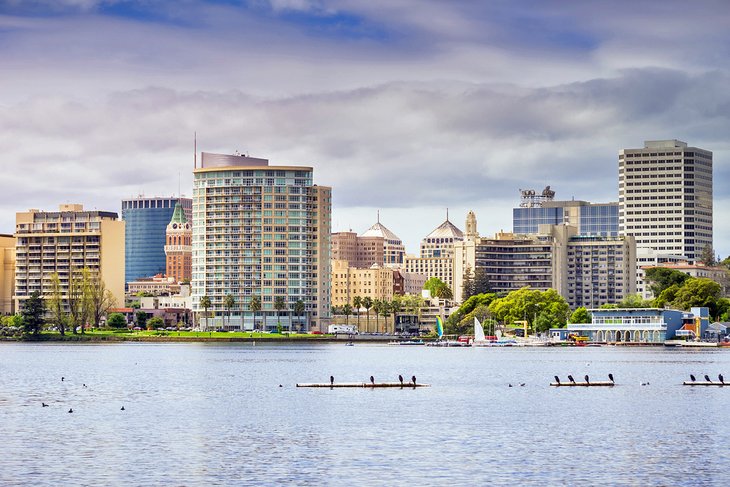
point(144, 238)
point(591, 219)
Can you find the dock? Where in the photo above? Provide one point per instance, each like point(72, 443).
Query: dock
point(582, 384)
point(705, 384)
point(366, 385)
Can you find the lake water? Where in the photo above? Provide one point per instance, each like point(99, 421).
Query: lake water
point(214, 414)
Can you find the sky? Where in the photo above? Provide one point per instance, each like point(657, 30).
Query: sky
point(408, 107)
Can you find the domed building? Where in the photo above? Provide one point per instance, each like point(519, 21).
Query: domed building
point(437, 253)
point(393, 249)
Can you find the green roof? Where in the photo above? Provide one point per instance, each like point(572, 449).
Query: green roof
point(178, 216)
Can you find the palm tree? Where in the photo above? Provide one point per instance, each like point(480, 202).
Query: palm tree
point(347, 311)
point(377, 307)
point(299, 309)
point(229, 301)
point(396, 306)
point(385, 312)
point(367, 303)
point(205, 304)
point(255, 307)
point(357, 304)
point(279, 304)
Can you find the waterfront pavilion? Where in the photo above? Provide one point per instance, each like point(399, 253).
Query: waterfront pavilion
point(638, 325)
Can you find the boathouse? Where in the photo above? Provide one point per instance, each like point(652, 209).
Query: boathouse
point(642, 325)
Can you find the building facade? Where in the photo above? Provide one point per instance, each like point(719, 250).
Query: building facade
point(358, 251)
point(264, 231)
point(179, 246)
point(376, 282)
point(7, 274)
point(394, 251)
point(437, 254)
point(144, 239)
point(597, 219)
point(64, 242)
point(665, 197)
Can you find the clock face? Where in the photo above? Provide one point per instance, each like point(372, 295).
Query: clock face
point(174, 225)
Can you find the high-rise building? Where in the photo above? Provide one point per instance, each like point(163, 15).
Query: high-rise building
point(179, 246)
point(393, 249)
point(7, 274)
point(260, 231)
point(64, 242)
point(598, 219)
point(357, 251)
point(665, 197)
point(144, 239)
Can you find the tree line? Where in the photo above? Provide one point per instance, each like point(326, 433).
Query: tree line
point(384, 308)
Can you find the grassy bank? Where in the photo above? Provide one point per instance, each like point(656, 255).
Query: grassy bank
point(172, 336)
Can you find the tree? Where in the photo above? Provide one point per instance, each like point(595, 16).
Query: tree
point(34, 308)
point(300, 310)
point(396, 305)
point(79, 298)
point(116, 320)
point(100, 299)
point(438, 288)
point(580, 315)
point(634, 301)
point(481, 281)
point(141, 318)
point(155, 323)
point(467, 287)
point(279, 305)
point(228, 302)
point(385, 312)
point(707, 256)
point(347, 311)
point(55, 304)
point(367, 303)
point(544, 309)
point(205, 304)
point(660, 278)
point(698, 291)
point(461, 321)
point(377, 307)
point(255, 307)
point(357, 304)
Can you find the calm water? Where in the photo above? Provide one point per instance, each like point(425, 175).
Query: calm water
point(201, 414)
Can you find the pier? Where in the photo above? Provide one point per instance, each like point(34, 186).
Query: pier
point(377, 385)
point(582, 384)
point(687, 383)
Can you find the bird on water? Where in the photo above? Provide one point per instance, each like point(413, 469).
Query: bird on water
point(44, 405)
point(71, 410)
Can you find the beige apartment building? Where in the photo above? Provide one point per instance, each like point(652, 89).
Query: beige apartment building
point(7, 274)
point(375, 282)
point(64, 241)
point(264, 231)
point(357, 251)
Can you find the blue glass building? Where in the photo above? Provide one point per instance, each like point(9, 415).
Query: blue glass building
point(144, 239)
point(594, 219)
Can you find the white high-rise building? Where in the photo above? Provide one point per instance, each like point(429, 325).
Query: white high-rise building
point(260, 231)
point(665, 197)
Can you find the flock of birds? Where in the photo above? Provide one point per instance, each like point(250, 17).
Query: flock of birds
point(372, 380)
point(707, 378)
point(70, 410)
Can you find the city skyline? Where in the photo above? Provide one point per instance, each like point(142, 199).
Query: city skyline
point(403, 108)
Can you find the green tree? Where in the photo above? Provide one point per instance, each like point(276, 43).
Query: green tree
point(707, 256)
point(385, 313)
point(116, 320)
point(543, 309)
point(141, 318)
point(155, 323)
point(79, 298)
point(377, 307)
point(357, 304)
point(698, 291)
point(205, 304)
point(279, 306)
point(367, 303)
point(255, 307)
point(634, 301)
point(300, 310)
point(660, 278)
point(396, 305)
point(228, 302)
point(667, 296)
point(438, 288)
point(55, 304)
point(347, 311)
point(580, 315)
point(481, 281)
point(467, 286)
point(34, 308)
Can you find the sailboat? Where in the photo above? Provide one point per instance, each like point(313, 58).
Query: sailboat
point(481, 341)
point(441, 341)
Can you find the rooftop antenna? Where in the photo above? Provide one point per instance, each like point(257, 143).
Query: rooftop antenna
point(195, 149)
point(378, 216)
point(179, 185)
point(447, 214)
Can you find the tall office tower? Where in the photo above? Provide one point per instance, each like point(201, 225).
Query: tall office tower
point(665, 197)
point(357, 251)
point(260, 231)
point(598, 219)
point(393, 249)
point(437, 254)
point(179, 246)
point(144, 240)
point(7, 274)
point(66, 241)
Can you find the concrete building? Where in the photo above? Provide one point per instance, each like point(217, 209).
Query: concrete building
point(156, 285)
point(358, 251)
point(394, 251)
point(665, 197)
point(144, 239)
point(642, 325)
point(260, 230)
point(648, 257)
point(7, 274)
point(179, 246)
point(377, 282)
point(437, 254)
point(66, 241)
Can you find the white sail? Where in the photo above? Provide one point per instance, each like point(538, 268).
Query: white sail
point(478, 331)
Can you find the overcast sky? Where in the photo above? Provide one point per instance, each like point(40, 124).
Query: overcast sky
point(406, 106)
